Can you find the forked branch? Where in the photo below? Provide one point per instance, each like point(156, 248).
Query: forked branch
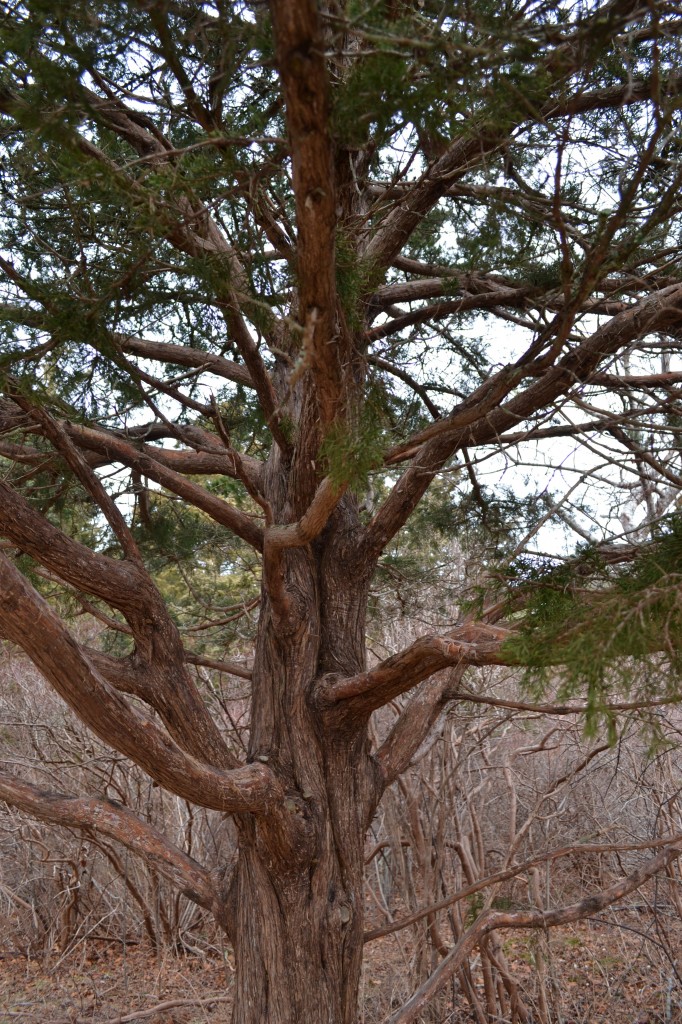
point(29, 621)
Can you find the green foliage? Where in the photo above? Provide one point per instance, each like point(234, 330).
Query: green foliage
point(601, 626)
point(350, 453)
point(355, 279)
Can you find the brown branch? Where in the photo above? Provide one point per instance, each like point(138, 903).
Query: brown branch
point(166, 1004)
point(636, 91)
point(471, 642)
point(114, 581)
point(648, 380)
point(424, 288)
point(149, 462)
point(513, 872)
point(127, 674)
point(241, 471)
point(112, 819)
point(161, 678)
point(312, 522)
point(301, 61)
point(415, 723)
point(491, 920)
point(55, 433)
point(182, 355)
point(556, 709)
point(439, 310)
point(260, 378)
point(206, 454)
point(399, 224)
point(155, 672)
point(28, 621)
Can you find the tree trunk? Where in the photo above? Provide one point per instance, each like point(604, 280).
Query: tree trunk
point(298, 934)
point(296, 898)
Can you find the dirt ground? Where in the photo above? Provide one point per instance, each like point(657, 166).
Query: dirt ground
point(595, 974)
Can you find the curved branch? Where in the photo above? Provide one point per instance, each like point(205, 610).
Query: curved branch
point(312, 522)
point(181, 355)
point(117, 822)
point(54, 431)
point(636, 91)
point(230, 667)
point(472, 643)
point(415, 723)
point(28, 621)
point(148, 462)
point(439, 310)
point(112, 580)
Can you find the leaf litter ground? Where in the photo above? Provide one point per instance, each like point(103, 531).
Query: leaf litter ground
point(595, 974)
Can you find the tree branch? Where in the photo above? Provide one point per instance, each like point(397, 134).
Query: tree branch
point(117, 822)
point(473, 643)
point(312, 522)
point(114, 581)
point(55, 433)
point(182, 355)
point(440, 310)
point(490, 920)
point(149, 462)
point(415, 723)
point(28, 621)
